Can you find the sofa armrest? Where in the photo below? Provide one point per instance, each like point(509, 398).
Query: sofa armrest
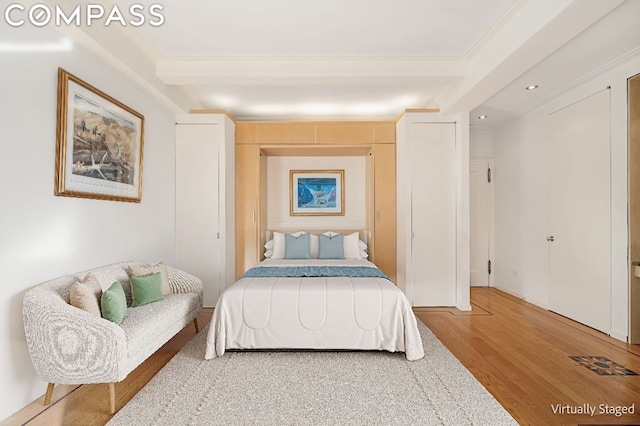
point(183, 282)
point(68, 345)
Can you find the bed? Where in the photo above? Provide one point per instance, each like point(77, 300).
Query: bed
point(311, 303)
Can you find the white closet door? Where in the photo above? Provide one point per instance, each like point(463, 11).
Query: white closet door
point(579, 212)
point(433, 214)
point(197, 242)
point(481, 221)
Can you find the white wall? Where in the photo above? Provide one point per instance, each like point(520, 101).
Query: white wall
point(43, 236)
point(520, 153)
point(520, 185)
point(278, 216)
point(480, 143)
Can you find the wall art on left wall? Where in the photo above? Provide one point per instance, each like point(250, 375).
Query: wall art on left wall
point(99, 144)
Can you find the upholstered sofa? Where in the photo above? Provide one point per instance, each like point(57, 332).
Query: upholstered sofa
point(68, 345)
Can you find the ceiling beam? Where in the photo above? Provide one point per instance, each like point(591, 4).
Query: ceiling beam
point(534, 30)
point(311, 70)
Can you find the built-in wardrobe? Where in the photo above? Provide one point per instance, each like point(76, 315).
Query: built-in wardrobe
point(205, 201)
point(371, 141)
point(433, 209)
point(414, 187)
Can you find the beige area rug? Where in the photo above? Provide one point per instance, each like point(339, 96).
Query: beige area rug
point(313, 388)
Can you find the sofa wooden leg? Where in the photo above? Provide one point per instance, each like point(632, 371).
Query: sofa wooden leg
point(195, 323)
point(49, 394)
point(112, 398)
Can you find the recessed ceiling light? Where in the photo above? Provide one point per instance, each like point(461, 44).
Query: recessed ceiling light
point(483, 117)
point(532, 87)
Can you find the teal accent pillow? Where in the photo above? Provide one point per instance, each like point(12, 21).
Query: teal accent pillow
point(331, 247)
point(146, 289)
point(297, 247)
point(113, 303)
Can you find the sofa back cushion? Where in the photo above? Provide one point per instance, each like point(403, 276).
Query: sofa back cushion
point(86, 294)
point(145, 270)
point(61, 287)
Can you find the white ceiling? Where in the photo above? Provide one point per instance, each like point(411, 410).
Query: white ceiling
point(613, 38)
point(291, 59)
point(325, 28)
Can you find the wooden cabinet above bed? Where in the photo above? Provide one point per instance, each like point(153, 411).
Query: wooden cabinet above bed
point(284, 133)
point(320, 132)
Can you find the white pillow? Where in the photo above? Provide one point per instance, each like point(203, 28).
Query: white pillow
point(352, 246)
point(268, 253)
point(363, 254)
point(278, 245)
point(362, 245)
point(314, 246)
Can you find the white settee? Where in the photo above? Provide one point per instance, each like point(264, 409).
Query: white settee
point(70, 346)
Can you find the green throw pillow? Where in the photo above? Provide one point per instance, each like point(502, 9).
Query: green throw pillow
point(146, 289)
point(114, 303)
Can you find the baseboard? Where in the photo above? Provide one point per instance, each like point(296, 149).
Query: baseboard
point(463, 307)
point(523, 297)
point(619, 336)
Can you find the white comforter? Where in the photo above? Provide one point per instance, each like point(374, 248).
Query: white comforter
point(314, 313)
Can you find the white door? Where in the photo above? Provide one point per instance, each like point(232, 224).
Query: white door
point(197, 238)
point(481, 214)
point(579, 212)
point(433, 214)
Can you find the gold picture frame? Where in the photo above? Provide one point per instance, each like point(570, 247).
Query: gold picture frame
point(316, 192)
point(99, 144)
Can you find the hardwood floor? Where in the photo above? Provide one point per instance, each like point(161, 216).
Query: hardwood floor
point(519, 352)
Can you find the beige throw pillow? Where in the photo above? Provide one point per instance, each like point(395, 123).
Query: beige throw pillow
point(86, 294)
point(143, 271)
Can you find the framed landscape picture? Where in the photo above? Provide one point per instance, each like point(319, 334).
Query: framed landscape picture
point(99, 144)
point(317, 192)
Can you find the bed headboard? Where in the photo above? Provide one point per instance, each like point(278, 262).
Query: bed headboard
point(364, 234)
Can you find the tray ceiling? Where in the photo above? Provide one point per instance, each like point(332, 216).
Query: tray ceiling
point(288, 59)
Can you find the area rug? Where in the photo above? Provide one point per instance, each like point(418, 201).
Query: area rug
point(313, 388)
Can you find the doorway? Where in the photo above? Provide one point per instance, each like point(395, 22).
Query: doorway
point(481, 214)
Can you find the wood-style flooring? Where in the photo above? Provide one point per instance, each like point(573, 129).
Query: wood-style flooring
point(521, 354)
point(518, 351)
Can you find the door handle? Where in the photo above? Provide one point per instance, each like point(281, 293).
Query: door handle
point(550, 238)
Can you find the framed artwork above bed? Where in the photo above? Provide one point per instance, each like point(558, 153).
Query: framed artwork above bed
point(316, 192)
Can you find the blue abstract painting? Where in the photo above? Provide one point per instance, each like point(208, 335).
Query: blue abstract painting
point(316, 192)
